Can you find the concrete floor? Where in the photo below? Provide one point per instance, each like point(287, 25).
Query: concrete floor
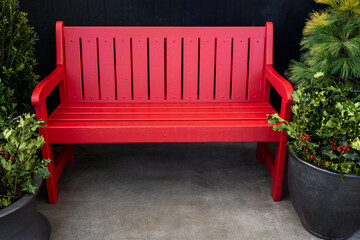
point(169, 191)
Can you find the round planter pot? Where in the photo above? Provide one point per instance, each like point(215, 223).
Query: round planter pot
point(21, 221)
point(328, 207)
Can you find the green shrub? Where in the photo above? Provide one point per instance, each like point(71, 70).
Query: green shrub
point(17, 59)
point(331, 44)
point(325, 126)
point(19, 159)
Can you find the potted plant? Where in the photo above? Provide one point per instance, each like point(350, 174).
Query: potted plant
point(20, 173)
point(324, 158)
point(331, 44)
point(21, 168)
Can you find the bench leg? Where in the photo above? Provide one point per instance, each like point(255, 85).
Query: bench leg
point(279, 167)
point(275, 166)
point(51, 181)
point(70, 153)
point(259, 153)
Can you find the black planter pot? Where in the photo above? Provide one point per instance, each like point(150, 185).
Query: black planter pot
point(21, 221)
point(328, 207)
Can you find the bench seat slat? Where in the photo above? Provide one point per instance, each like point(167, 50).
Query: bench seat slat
point(160, 131)
point(139, 109)
point(143, 111)
point(163, 105)
point(156, 117)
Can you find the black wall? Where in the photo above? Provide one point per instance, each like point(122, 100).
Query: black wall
point(288, 17)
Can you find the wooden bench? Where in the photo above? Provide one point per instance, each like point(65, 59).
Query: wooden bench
point(162, 84)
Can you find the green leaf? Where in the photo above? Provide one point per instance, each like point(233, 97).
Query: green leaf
point(6, 164)
point(351, 156)
point(281, 127)
point(356, 144)
point(7, 133)
point(339, 106)
point(295, 96)
point(329, 154)
point(319, 74)
point(29, 186)
point(42, 172)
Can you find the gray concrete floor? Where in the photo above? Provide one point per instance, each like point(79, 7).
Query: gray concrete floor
point(169, 191)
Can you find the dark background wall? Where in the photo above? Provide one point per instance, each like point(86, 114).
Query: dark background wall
point(288, 17)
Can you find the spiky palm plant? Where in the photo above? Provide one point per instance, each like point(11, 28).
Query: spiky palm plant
point(331, 44)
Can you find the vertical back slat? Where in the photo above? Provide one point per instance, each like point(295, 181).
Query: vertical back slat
point(190, 69)
point(73, 69)
point(90, 69)
point(123, 68)
point(256, 69)
point(140, 69)
point(223, 69)
point(107, 68)
point(239, 69)
point(157, 70)
point(206, 75)
point(173, 69)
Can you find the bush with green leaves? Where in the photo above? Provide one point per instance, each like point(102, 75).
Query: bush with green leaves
point(17, 59)
point(7, 106)
point(325, 126)
point(19, 159)
point(331, 44)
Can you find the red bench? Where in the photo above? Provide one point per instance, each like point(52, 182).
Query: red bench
point(162, 84)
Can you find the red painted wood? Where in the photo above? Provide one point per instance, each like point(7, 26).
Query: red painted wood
point(123, 69)
point(140, 69)
point(223, 69)
point(157, 69)
point(63, 157)
point(190, 69)
point(51, 186)
point(59, 31)
point(143, 109)
point(269, 36)
point(90, 69)
point(73, 69)
point(259, 153)
point(268, 57)
point(46, 86)
point(256, 70)
point(127, 97)
point(70, 152)
point(159, 117)
point(265, 155)
point(279, 166)
point(173, 69)
point(169, 32)
point(239, 69)
point(60, 57)
point(107, 68)
point(46, 150)
point(280, 84)
point(161, 131)
point(206, 75)
point(167, 105)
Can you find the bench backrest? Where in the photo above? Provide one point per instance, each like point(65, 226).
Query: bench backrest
point(164, 64)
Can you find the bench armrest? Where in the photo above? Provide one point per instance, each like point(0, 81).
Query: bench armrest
point(281, 85)
point(47, 85)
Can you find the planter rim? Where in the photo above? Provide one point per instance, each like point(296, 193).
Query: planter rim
point(321, 169)
point(21, 201)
